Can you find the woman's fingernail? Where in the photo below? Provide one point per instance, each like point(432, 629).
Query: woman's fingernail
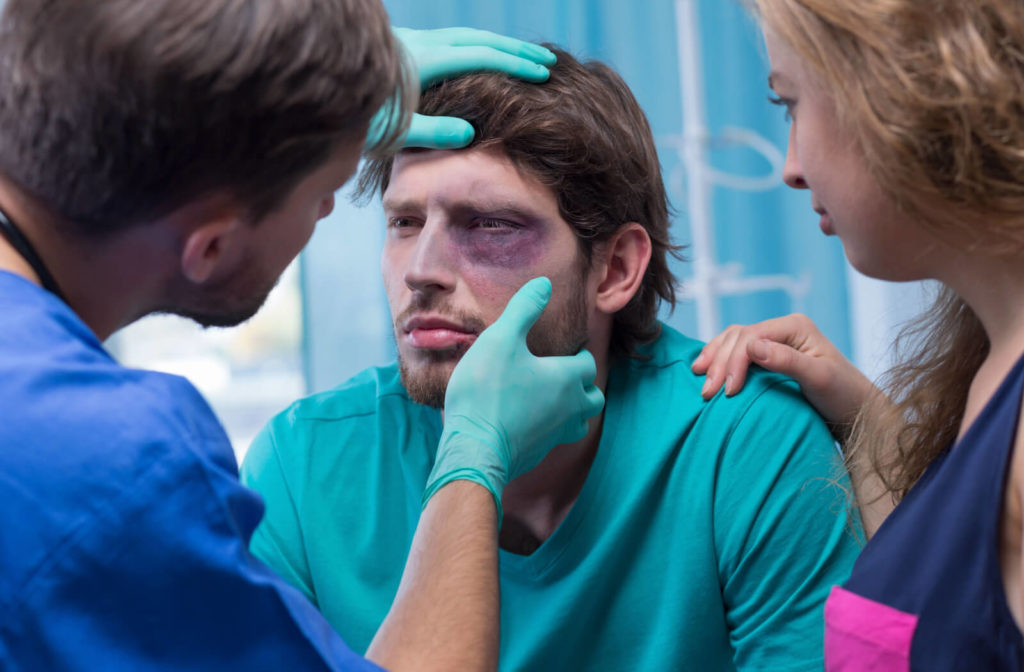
point(707, 388)
point(728, 385)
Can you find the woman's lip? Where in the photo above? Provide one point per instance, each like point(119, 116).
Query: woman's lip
point(439, 338)
point(826, 224)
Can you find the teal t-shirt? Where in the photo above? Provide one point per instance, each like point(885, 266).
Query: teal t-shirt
point(706, 537)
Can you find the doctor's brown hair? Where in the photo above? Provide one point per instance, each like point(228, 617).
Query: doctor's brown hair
point(583, 135)
point(113, 112)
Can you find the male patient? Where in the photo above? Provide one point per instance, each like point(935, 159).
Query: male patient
point(679, 533)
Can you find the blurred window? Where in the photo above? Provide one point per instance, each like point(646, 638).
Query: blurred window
point(247, 373)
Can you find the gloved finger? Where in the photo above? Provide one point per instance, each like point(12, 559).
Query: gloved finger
point(438, 132)
point(464, 60)
point(583, 365)
point(468, 37)
point(524, 308)
point(593, 400)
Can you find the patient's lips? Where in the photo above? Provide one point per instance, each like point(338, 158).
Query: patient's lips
point(436, 333)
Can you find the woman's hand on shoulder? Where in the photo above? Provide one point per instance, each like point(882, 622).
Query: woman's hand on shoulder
point(793, 346)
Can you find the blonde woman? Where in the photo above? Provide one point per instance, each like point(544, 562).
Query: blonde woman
point(908, 130)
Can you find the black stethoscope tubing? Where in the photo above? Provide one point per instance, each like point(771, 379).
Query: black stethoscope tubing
point(23, 247)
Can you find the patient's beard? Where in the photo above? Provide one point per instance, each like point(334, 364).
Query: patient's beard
point(559, 332)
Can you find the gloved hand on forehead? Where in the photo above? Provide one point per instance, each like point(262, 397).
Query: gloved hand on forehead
point(449, 52)
point(505, 408)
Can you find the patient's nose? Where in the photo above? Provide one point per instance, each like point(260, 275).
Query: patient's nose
point(429, 266)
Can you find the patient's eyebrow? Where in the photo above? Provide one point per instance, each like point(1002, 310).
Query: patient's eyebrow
point(400, 205)
point(495, 208)
point(480, 205)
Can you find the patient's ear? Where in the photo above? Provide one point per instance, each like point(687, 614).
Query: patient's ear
point(624, 260)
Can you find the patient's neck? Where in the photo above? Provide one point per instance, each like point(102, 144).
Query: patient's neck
point(536, 503)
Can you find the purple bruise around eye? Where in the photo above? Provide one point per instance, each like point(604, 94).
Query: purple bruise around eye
point(510, 248)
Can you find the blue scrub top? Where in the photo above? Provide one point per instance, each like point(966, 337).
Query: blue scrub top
point(124, 527)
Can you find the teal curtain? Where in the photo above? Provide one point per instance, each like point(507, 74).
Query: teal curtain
point(755, 242)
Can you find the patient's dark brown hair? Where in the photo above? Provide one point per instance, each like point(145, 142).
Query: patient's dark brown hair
point(583, 135)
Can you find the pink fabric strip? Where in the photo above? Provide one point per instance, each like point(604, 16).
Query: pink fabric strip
point(864, 635)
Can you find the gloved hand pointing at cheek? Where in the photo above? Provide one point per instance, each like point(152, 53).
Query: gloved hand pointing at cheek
point(505, 408)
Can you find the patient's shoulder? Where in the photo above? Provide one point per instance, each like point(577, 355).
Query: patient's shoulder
point(667, 362)
point(356, 420)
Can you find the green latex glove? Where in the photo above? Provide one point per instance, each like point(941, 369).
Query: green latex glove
point(449, 52)
point(506, 408)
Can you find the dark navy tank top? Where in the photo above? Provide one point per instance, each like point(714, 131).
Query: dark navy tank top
point(927, 591)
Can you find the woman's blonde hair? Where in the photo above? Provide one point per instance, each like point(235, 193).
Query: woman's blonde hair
point(918, 416)
point(933, 93)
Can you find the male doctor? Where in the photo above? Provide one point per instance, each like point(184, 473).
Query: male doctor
point(174, 156)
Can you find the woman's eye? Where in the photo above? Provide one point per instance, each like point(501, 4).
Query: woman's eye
point(788, 103)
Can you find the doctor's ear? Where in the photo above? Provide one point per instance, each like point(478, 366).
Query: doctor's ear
point(209, 247)
point(623, 261)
